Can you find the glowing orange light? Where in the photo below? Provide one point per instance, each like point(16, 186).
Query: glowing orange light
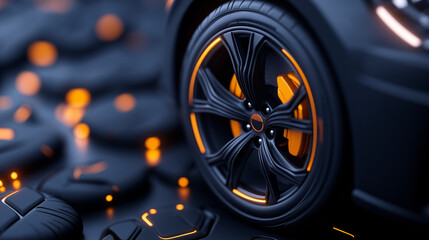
point(16, 184)
point(124, 102)
point(153, 157)
point(42, 53)
point(56, 6)
point(144, 218)
point(14, 175)
point(1, 183)
point(180, 207)
point(109, 198)
point(81, 131)
point(339, 230)
point(152, 143)
point(184, 194)
point(68, 115)
point(91, 169)
point(197, 133)
point(47, 151)
point(178, 236)
point(22, 113)
point(400, 30)
point(152, 211)
point(28, 83)
point(5, 102)
point(7, 134)
point(78, 97)
point(110, 212)
point(2, 189)
point(115, 188)
point(168, 4)
point(183, 182)
point(109, 27)
point(252, 199)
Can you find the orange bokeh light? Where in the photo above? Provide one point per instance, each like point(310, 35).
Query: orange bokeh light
point(153, 157)
point(168, 4)
point(109, 27)
point(78, 97)
point(180, 207)
point(22, 114)
point(28, 83)
point(5, 102)
point(68, 115)
point(81, 131)
point(124, 102)
point(47, 151)
point(14, 175)
point(42, 53)
point(183, 182)
point(152, 143)
point(152, 211)
point(109, 198)
point(16, 184)
point(7, 134)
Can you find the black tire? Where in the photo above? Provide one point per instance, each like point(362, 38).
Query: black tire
point(279, 28)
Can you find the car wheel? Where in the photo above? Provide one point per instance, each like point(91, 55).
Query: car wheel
point(261, 111)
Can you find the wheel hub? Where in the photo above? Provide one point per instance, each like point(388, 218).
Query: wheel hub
point(257, 122)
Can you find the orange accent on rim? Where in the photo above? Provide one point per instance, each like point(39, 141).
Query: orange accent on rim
point(313, 107)
point(235, 89)
point(197, 66)
point(197, 133)
point(252, 199)
point(256, 117)
point(144, 218)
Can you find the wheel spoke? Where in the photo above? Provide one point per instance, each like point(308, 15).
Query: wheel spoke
point(283, 115)
point(244, 59)
point(218, 101)
point(229, 154)
point(277, 165)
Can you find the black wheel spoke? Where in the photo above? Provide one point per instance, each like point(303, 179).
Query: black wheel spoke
point(218, 101)
point(277, 165)
point(244, 59)
point(229, 154)
point(282, 116)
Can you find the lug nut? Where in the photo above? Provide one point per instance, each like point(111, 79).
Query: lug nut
point(267, 110)
point(249, 105)
point(258, 141)
point(248, 127)
point(271, 133)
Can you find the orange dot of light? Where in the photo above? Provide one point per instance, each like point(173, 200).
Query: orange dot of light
point(81, 131)
point(109, 27)
point(28, 83)
point(1, 183)
point(124, 102)
point(5, 102)
point(47, 151)
point(152, 143)
point(22, 114)
point(42, 53)
point(7, 134)
point(78, 97)
point(16, 184)
point(183, 182)
point(68, 115)
point(109, 198)
point(180, 207)
point(152, 211)
point(14, 175)
point(168, 4)
point(153, 157)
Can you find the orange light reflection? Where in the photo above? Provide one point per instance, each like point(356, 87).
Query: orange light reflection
point(22, 114)
point(42, 53)
point(124, 102)
point(28, 83)
point(109, 27)
point(7, 134)
point(91, 169)
point(5, 102)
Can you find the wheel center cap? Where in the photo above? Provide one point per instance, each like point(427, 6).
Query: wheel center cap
point(257, 122)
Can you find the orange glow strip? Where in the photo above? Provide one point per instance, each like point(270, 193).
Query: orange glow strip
point(197, 66)
point(7, 134)
point(242, 195)
point(339, 230)
point(144, 217)
point(394, 25)
point(313, 107)
point(10, 194)
point(177, 236)
point(197, 133)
